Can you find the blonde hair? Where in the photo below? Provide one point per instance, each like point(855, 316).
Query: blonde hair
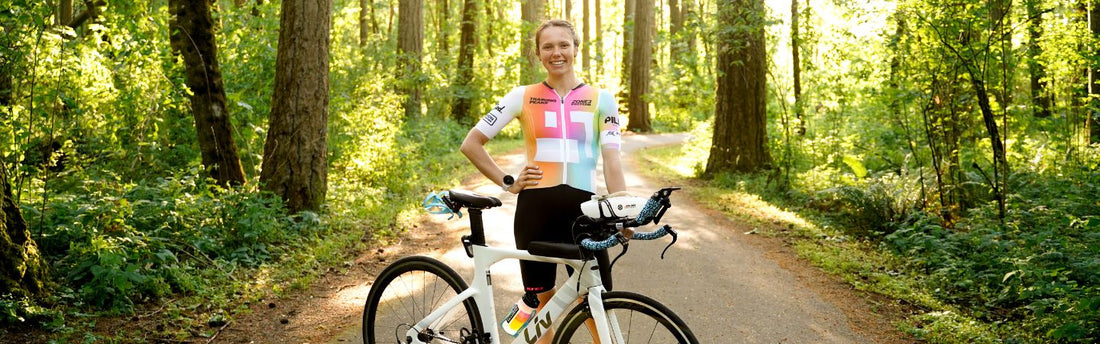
point(556, 23)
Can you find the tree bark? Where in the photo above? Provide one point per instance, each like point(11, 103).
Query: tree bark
point(1040, 96)
point(89, 13)
point(465, 62)
point(796, 66)
point(531, 13)
point(295, 164)
point(1093, 104)
point(364, 26)
point(599, 38)
point(22, 271)
point(64, 12)
point(628, 42)
point(639, 67)
point(740, 120)
point(585, 38)
point(410, 51)
point(443, 33)
point(192, 36)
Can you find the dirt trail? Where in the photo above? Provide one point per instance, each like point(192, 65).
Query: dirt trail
point(727, 286)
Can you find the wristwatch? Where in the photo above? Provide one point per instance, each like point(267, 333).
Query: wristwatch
point(508, 181)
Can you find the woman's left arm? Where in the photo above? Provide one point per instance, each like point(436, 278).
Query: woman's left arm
point(613, 170)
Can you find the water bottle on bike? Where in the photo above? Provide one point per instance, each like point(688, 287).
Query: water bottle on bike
point(521, 313)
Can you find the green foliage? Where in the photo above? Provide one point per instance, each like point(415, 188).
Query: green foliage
point(119, 243)
point(1038, 269)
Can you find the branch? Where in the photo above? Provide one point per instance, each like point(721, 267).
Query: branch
point(89, 13)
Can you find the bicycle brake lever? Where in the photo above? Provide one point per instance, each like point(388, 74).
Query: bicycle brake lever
point(673, 234)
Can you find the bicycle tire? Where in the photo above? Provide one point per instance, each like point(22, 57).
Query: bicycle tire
point(406, 292)
point(641, 320)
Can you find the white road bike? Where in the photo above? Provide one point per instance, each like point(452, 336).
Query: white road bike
point(422, 300)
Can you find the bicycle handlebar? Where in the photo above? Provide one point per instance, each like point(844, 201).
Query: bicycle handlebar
point(598, 245)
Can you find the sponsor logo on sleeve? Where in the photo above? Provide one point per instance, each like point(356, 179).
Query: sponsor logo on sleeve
point(613, 120)
point(490, 119)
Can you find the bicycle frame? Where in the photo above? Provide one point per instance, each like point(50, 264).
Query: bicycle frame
point(586, 279)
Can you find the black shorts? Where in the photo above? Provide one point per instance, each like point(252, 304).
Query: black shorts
point(547, 215)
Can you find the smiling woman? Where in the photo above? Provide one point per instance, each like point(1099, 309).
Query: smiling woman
point(566, 126)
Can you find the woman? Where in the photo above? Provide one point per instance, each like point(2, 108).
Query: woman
point(567, 125)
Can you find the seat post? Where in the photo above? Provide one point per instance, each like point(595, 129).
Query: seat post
point(477, 229)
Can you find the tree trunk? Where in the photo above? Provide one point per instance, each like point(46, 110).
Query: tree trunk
point(192, 36)
point(568, 9)
point(295, 164)
point(410, 50)
point(443, 33)
point(1093, 104)
point(64, 12)
point(22, 271)
point(465, 62)
point(599, 39)
point(532, 17)
point(90, 13)
point(796, 66)
point(1040, 96)
point(675, 25)
point(364, 21)
point(585, 38)
point(628, 42)
point(1000, 163)
point(639, 67)
point(740, 119)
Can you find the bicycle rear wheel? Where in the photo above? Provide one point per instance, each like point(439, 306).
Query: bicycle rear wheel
point(406, 292)
point(639, 319)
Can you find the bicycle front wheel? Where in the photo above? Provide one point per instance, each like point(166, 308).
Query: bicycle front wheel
point(637, 318)
point(406, 292)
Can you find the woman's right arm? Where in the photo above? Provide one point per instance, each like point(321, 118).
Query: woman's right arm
point(473, 147)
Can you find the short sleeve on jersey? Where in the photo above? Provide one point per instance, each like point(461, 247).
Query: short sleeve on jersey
point(502, 113)
point(610, 133)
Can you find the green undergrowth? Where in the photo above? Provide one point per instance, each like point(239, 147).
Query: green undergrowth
point(187, 256)
point(1031, 279)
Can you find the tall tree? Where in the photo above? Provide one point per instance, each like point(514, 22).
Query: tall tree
point(740, 117)
point(64, 12)
point(675, 25)
point(1094, 74)
point(367, 24)
point(639, 67)
point(192, 36)
point(531, 14)
point(410, 51)
point(599, 39)
point(585, 38)
point(628, 42)
point(796, 66)
point(22, 271)
point(1040, 95)
point(465, 62)
point(295, 164)
point(443, 10)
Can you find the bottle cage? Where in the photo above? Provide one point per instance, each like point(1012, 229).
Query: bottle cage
point(434, 204)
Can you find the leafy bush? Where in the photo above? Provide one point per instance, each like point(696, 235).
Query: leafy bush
point(1039, 269)
point(120, 243)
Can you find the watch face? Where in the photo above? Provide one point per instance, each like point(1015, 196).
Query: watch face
point(509, 180)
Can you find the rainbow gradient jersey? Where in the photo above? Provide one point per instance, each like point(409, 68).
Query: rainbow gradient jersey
point(563, 135)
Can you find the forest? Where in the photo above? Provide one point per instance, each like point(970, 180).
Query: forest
point(183, 157)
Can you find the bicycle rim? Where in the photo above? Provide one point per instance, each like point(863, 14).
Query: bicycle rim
point(639, 319)
point(406, 292)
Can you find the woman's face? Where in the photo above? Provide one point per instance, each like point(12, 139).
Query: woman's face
point(556, 50)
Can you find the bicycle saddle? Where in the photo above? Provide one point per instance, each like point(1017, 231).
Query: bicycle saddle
point(472, 200)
